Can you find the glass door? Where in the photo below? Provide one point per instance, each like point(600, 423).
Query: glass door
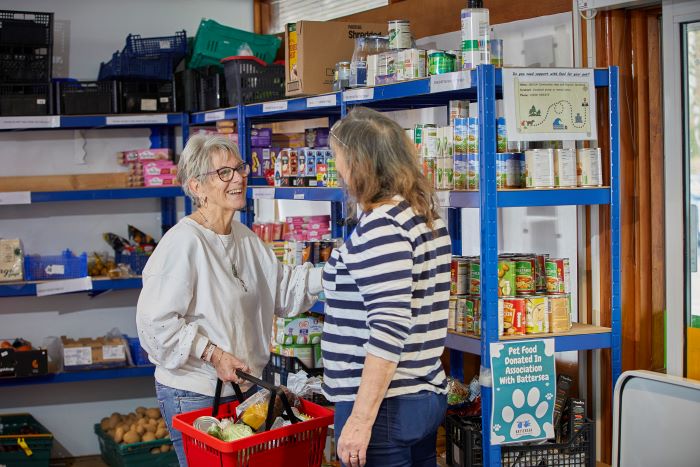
point(691, 139)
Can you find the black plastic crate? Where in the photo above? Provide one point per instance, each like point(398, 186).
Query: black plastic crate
point(212, 89)
point(250, 80)
point(26, 28)
point(25, 64)
point(146, 96)
point(280, 366)
point(464, 447)
point(25, 99)
point(87, 97)
point(187, 87)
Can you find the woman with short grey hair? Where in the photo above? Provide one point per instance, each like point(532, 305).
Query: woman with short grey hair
point(211, 288)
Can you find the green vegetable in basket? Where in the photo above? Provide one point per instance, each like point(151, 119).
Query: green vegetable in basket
point(235, 431)
point(215, 431)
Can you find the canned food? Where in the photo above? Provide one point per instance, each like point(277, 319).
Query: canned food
point(429, 169)
point(457, 54)
point(509, 169)
point(525, 275)
point(539, 168)
point(506, 278)
point(473, 171)
point(560, 313)
point(439, 63)
point(461, 161)
point(451, 314)
point(461, 315)
point(475, 277)
point(589, 168)
point(205, 422)
point(429, 140)
point(459, 272)
point(540, 273)
point(469, 315)
point(514, 316)
point(500, 317)
point(399, 34)
point(557, 273)
point(565, 167)
point(414, 64)
point(477, 316)
point(536, 314)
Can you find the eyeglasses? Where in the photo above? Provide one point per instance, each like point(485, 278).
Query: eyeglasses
point(226, 173)
point(338, 139)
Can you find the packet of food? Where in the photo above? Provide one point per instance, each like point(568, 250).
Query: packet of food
point(255, 415)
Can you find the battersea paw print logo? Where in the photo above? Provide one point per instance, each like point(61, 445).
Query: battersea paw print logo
point(526, 424)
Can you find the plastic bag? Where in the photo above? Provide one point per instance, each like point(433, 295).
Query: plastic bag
point(245, 51)
point(302, 385)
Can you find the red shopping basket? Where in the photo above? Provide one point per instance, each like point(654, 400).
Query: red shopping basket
point(299, 444)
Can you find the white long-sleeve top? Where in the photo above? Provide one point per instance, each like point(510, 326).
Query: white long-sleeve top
point(190, 296)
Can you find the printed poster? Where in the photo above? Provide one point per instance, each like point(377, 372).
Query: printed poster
point(524, 388)
point(543, 104)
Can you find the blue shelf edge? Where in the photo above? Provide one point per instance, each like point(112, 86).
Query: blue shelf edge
point(28, 289)
point(573, 342)
point(534, 197)
point(114, 193)
point(79, 376)
point(299, 194)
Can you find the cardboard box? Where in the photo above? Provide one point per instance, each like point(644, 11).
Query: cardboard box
point(312, 48)
point(15, 364)
point(85, 353)
point(11, 260)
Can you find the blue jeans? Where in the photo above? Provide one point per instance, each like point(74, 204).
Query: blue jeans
point(176, 401)
point(405, 431)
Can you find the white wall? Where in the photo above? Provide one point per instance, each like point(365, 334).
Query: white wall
point(96, 29)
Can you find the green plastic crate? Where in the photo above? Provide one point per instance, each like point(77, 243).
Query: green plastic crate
point(215, 41)
point(16, 427)
point(136, 454)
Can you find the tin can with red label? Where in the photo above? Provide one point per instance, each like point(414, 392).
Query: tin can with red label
point(459, 275)
point(558, 276)
point(525, 267)
point(514, 320)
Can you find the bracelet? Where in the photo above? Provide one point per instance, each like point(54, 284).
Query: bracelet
point(208, 352)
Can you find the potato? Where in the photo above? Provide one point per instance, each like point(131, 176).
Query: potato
point(140, 410)
point(116, 415)
point(113, 422)
point(104, 424)
point(140, 429)
point(110, 433)
point(119, 434)
point(131, 437)
point(151, 428)
point(148, 436)
point(155, 451)
point(161, 433)
point(165, 448)
point(153, 413)
point(124, 426)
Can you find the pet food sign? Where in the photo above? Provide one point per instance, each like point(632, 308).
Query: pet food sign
point(524, 387)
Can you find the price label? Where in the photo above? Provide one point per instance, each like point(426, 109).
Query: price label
point(443, 198)
point(63, 286)
point(74, 356)
point(298, 195)
point(156, 119)
point(10, 123)
point(276, 106)
point(113, 352)
point(450, 81)
point(164, 44)
point(327, 100)
point(214, 116)
point(16, 197)
point(263, 193)
point(362, 94)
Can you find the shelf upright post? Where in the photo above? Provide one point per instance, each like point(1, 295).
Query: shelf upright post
point(244, 126)
point(486, 94)
point(454, 227)
point(616, 324)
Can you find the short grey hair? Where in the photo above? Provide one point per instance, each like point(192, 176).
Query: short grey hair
point(195, 160)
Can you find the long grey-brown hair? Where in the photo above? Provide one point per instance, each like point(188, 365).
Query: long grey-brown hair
point(382, 162)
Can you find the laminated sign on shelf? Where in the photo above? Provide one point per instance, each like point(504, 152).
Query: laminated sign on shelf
point(524, 386)
point(549, 104)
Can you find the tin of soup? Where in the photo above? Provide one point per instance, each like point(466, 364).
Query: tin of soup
point(539, 168)
point(558, 274)
point(589, 169)
point(474, 277)
point(536, 314)
point(525, 275)
point(514, 323)
point(565, 167)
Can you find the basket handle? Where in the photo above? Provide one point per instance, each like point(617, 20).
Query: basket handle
point(275, 391)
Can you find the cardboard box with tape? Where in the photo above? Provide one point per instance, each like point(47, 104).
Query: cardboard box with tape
point(312, 48)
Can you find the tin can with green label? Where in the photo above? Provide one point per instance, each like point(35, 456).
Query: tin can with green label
point(475, 277)
point(440, 62)
point(469, 315)
point(525, 275)
point(506, 278)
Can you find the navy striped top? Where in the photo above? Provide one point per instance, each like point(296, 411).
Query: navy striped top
point(387, 293)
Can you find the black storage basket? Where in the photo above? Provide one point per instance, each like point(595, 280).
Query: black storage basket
point(25, 99)
point(146, 96)
point(250, 80)
point(187, 87)
point(26, 46)
point(464, 447)
point(87, 97)
point(212, 89)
